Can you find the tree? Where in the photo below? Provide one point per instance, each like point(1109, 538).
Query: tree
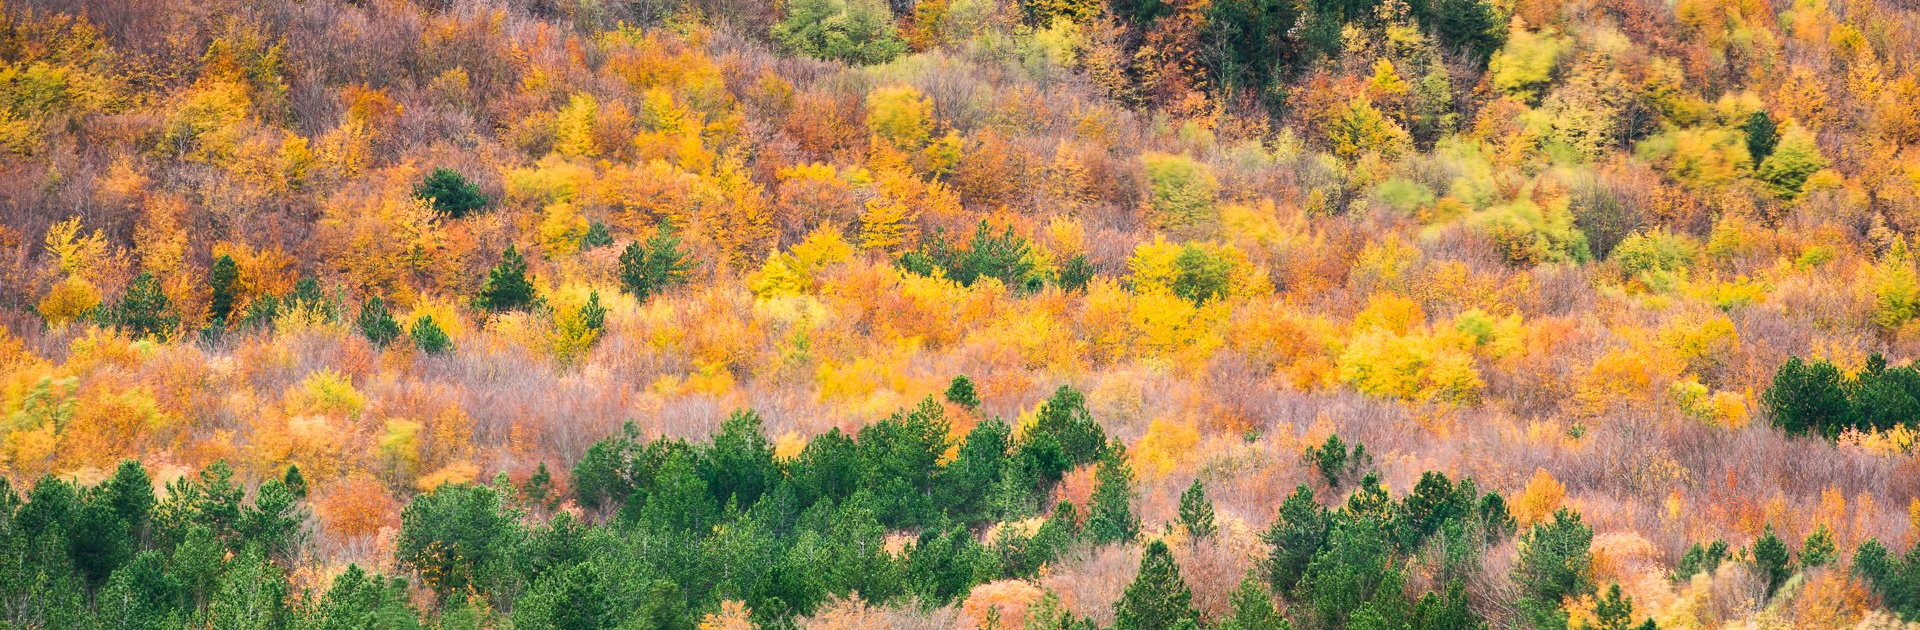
point(1076, 273)
point(450, 193)
point(858, 32)
point(1335, 462)
point(660, 265)
point(1181, 193)
point(1342, 579)
point(1556, 563)
point(1110, 516)
point(1066, 420)
point(376, 323)
point(596, 237)
point(275, 522)
point(142, 596)
point(458, 536)
point(1295, 536)
point(1770, 560)
point(1201, 276)
point(1614, 610)
point(1253, 608)
point(1762, 135)
point(143, 310)
point(1895, 580)
point(252, 595)
point(1795, 159)
point(224, 281)
point(739, 466)
point(358, 599)
point(961, 392)
point(428, 336)
point(1196, 512)
point(577, 599)
point(1473, 26)
point(976, 470)
point(1808, 397)
point(507, 287)
point(1158, 599)
point(1818, 550)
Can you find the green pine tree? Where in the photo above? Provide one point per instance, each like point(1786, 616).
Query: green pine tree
point(1818, 550)
point(961, 392)
point(377, 323)
point(224, 280)
point(507, 287)
point(428, 336)
point(143, 311)
point(1196, 512)
point(1771, 561)
point(1158, 599)
point(1110, 511)
point(450, 193)
point(1253, 608)
point(654, 268)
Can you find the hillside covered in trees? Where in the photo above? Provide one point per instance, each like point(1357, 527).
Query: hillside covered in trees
point(978, 314)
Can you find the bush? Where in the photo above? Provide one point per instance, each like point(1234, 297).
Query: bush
point(858, 32)
point(450, 193)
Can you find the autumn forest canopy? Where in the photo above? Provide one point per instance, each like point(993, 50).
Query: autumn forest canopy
point(969, 314)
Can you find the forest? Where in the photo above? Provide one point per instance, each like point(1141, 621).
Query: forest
point(960, 314)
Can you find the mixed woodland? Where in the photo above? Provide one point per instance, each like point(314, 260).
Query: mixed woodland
point(979, 314)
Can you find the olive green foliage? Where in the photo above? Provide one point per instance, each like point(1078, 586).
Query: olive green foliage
point(1181, 194)
point(858, 32)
